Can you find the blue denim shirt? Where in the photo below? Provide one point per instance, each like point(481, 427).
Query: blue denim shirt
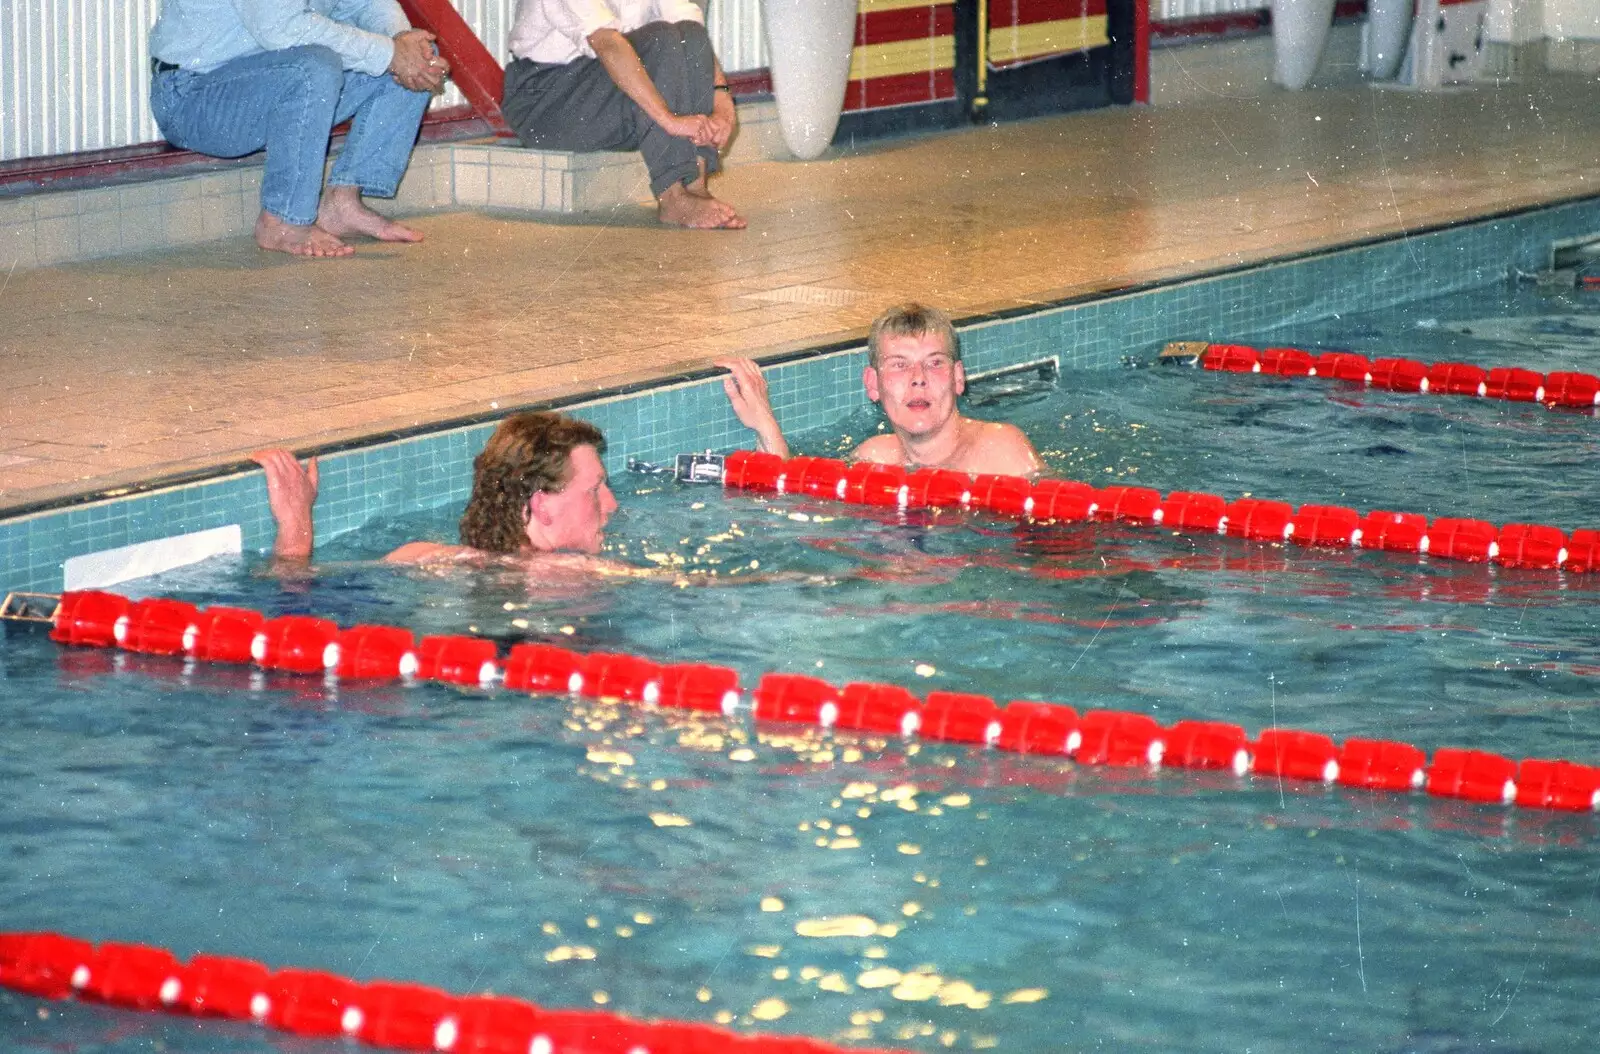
point(201, 35)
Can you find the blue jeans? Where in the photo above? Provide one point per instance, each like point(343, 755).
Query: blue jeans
point(288, 102)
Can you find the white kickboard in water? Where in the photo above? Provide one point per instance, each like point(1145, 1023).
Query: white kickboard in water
point(110, 566)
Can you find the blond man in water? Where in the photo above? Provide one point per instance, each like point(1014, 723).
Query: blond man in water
point(914, 371)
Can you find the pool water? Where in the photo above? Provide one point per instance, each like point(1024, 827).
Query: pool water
point(580, 854)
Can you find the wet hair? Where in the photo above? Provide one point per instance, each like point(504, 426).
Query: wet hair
point(528, 454)
point(911, 320)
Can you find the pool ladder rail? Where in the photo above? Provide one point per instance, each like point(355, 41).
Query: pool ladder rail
point(299, 644)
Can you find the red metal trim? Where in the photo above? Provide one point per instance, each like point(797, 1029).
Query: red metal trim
point(900, 90)
point(906, 23)
point(750, 82)
point(1028, 12)
point(1141, 51)
point(474, 70)
point(1220, 26)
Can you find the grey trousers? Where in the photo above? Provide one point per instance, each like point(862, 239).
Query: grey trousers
point(578, 107)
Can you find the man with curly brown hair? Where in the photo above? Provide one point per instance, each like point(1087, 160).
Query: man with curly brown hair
point(539, 486)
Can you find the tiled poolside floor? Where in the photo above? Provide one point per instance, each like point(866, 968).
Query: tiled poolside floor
point(120, 370)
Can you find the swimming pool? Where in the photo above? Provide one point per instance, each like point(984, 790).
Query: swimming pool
point(572, 852)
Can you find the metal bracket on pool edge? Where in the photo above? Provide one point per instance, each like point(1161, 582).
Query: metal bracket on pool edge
point(36, 609)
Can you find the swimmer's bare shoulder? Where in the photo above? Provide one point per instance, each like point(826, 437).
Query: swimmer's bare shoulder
point(1001, 449)
point(883, 449)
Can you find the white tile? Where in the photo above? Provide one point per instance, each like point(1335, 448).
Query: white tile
point(184, 222)
point(511, 187)
point(557, 193)
point(471, 184)
point(92, 201)
point(16, 210)
point(60, 203)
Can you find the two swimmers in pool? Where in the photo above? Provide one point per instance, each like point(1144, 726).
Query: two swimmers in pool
point(539, 485)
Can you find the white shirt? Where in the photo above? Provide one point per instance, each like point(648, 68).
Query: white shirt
point(557, 31)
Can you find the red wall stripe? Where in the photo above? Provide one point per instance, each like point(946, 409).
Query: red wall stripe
point(1006, 13)
point(908, 23)
point(898, 91)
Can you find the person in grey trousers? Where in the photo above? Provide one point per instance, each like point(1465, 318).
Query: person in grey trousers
point(626, 75)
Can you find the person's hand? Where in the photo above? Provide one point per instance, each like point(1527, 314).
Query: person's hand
point(291, 492)
point(696, 128)
point(416, 65)
point(724, 119)
point(747, 392)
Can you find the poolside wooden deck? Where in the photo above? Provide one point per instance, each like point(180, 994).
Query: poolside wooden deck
point(121, 370)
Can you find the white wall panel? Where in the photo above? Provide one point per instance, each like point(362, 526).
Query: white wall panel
point(1174, 10)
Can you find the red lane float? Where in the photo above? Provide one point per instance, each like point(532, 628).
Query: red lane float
point(1399, 532)
point(797, 698)
point(1326, 525)
point(612, 676)
point(297, 644)
point(1288, 362)
point(157, 626)
point(1266, 521)
point(1379, 764)
point(1458, 378)
point(1558, 785)
point(1038, 728)
point(1111, 737)
point(1562, 388)
point(1344, 366)
point(1005, 495)
point(1296, 755)
point(377, 652)
point(1063, 500)
point(1475, 775)
point(467, 661)
point(1207, 745)
point(544, 668)
point(697, 686)
point(752, 470)
point(1572, 389)
point(1583, 552)
point(1469, 540)
point(869, 483)
point(89, 617)
point(1098, 737)
point(1231, 358)
point(1515, 384)
point(394, 1015)
point(929, 488)
point(1399, 375)
point(888, 708)
point(1128, 504)
point(1190, 511)
point(956, 717)
point(819, 477)
point(1530, 545)
point(225, 634)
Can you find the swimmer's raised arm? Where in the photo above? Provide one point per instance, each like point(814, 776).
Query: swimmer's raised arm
point(291, 492)
point(747, 391)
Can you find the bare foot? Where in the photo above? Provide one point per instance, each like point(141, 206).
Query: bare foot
point(682, 207)
point(274, 235)
point(343, 212)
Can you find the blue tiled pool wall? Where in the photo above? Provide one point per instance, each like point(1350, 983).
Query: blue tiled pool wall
point(436, 470)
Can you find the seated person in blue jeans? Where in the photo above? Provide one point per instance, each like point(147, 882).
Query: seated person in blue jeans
point(235, 76)
point(626, 75)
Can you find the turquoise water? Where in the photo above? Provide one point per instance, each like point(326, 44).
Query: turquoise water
point(572, 853)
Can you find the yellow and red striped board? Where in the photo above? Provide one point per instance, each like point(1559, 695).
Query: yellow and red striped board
point(1028, 30)
point(905, 53)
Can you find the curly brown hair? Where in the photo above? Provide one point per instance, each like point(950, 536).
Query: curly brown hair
point(527, 454)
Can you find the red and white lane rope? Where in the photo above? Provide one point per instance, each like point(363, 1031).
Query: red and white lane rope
point(388, 1014)
point(1561, 389)
point(306, 645)
point(1523, 545)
